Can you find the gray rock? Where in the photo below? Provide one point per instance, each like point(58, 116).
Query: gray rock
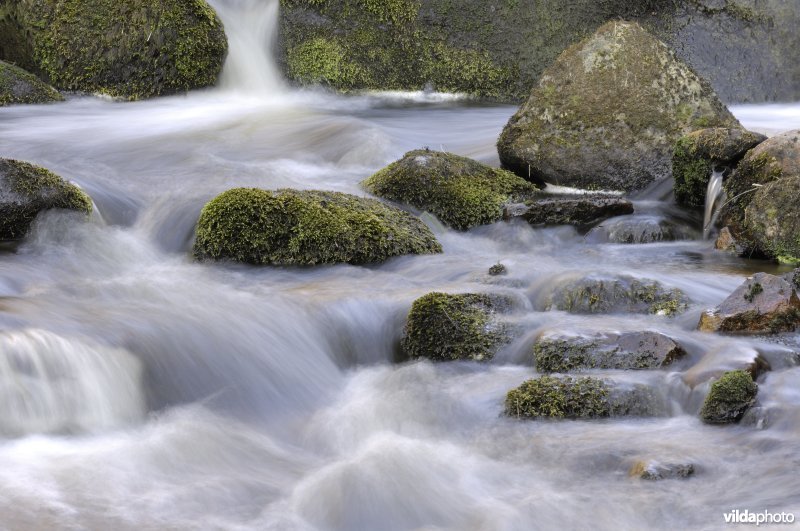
point(637, 229)
point(655, 471)
point(19, 86)
point(568, 209)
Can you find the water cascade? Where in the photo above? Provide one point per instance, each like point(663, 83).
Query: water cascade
point(715, 198)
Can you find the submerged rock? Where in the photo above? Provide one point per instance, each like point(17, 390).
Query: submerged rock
point(306, 227)
point(619, 294)
point(444, 327)
point(608, 112)
point(636, 230)
point(569, 209)
point(498, 269)
point(134, 49)
point(697, 154)
point(561, 352)
point(585, 398)
point(19, 86)
point(762, 212)
point(762, 304)
point(26, 190)
point(729, 398)
point(461, 192)
point(656, 471)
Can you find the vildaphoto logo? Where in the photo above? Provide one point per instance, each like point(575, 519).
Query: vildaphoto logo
point(763, 517)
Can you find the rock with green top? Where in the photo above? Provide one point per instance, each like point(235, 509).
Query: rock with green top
point(762, 211)
point(306, 227)
point(699, 153)
point(729, 398)
point(19, 86)
point(26, 190)
point(615, 294)
point(461, 192)
point(446, 327)
point(580, 398)
point(608, 112)
point(132, 50)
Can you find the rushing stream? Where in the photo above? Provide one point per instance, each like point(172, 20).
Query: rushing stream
point(143, 390)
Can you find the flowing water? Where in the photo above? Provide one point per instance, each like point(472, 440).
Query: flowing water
point(143, 390)
point(714, 200)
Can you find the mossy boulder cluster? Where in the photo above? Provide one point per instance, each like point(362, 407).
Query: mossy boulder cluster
point(762, 212)
point(699, 153)
point(729, 398)
point(461, 192)
point(26, 190)
point(306, 227)
point(19, 86)
point(446, 327)
point(608, 112)
point(134, 49)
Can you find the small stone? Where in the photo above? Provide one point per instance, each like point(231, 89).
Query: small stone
point(729, 398)
point(655, 471)
point(498, 269)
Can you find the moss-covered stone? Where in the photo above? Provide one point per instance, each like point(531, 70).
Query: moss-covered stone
point(26, 190)
point(461, 192)
point(608, 112)
point(19, 86)
point(616, 295)
point(584, 398)
point(729, 398)
point(697, 154)
point(445, 327)
point(293, 227)
point(133, 49)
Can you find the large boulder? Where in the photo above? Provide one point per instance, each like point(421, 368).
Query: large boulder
point(461, 192)
point(607, 113)
point(26, 190)
point(294, 227)
point(19, 86)
point(729, 398)
point(762, 211)
point(133, 49)
point(446, 327)
point(699, 153)
point(762, 304)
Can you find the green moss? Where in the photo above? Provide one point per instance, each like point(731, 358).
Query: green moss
point(444, 327)
point(461, 192)
point(729, 398)
point(622, 294)
point(559, 398)
point(755, 289)
point(325, 61)
point(130, 50)
point(291, 227)
point(28, 190)
point(691, 173)
point(19, 86)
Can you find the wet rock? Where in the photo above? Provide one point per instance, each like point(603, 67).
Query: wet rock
point(561, 352)
point(655, 471)
point(729, 357)
point(637, 229)
point(619, 294)
point(793, 278)
point(134, 49)
point(294, 227)
point(26, 190)
point(729, 398)
point(608, 112)
point(697, 154)
point(569, 209)
point(461, 192)
point(497, 270)
point(19, 86)
point(725, 241)
point(585, 398)
point(764, 303)
point(763, 207)
point(445, 327)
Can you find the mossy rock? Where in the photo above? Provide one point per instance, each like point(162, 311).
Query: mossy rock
point(729, 398)
point(697, 154)
point(608, 112)
point(19, 86)
point(294, 227)
point(26, 190)
point(762, 212)
point(622, 294)
point(579, 398)
point(134, 49)
point(446, 327)
point(461, 192)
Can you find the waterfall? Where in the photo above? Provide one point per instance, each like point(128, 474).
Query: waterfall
point(251, 27)
point(714, 199)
